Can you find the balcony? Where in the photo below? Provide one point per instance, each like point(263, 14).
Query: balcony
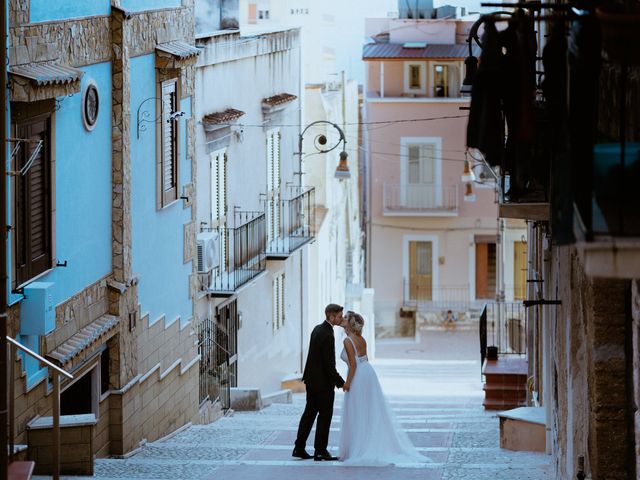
point(420, 200)
point(240, 254)
point(291, 222)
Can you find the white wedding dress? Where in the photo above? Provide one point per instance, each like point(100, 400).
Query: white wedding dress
point(370, 435)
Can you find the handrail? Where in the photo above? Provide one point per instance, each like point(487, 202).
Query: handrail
point(38, 357)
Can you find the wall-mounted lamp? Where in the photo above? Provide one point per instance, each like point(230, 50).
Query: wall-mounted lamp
point(320, 144)
point(467, 174)
point(469, 195)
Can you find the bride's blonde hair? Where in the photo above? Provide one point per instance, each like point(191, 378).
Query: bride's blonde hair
point(356, 322)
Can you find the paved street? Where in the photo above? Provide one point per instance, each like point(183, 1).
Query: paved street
point(434, 388)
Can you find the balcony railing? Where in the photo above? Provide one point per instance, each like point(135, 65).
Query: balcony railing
point(420, 200)
point(291, 222)
point(241, 254)
point(506, 327)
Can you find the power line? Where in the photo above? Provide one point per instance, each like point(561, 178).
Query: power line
point(387, 122)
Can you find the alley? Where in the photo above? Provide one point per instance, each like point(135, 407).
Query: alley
point(434, 388)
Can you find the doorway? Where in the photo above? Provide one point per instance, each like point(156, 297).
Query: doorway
point(485, 268)
point(420, 270)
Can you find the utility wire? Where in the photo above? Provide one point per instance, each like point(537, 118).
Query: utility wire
point(382, 122)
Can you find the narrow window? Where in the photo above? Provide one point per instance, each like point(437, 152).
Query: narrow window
point(415, 82)
point(169, 142)
point(274, 207)
point(32, 232)
point(440, 81)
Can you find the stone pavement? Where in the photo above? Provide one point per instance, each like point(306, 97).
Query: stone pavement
point(438, 401)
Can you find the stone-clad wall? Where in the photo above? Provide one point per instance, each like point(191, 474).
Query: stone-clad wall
point(588, 380)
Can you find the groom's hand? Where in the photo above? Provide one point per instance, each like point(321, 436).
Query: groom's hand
point(346, 387)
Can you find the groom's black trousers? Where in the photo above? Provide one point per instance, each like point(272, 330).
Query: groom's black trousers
point(320, 404)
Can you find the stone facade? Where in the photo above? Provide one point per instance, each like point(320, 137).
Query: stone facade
point(153, 374)
point(589, 381)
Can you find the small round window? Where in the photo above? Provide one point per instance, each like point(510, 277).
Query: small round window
point(90, 106)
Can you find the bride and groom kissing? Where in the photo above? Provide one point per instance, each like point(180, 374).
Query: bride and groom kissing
point(369, 434)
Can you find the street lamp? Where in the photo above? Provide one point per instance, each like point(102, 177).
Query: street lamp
point(320, 144)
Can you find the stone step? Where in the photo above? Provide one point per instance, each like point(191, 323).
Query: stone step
point(523, 429)
point(21, 470)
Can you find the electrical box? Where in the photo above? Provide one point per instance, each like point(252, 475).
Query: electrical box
point(37, 312)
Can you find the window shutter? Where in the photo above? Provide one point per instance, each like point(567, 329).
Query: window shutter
point(214, 187)
point(33, 237)
point(427, 160)
point(414, 164)
point(277, 221)
point(169, 149)
point(282, 309)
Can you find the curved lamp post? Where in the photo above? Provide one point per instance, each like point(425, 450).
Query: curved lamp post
point(320, 144)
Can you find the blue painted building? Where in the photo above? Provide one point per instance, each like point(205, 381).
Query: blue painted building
point(101, 208)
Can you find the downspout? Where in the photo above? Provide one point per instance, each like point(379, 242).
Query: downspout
point(4, 318)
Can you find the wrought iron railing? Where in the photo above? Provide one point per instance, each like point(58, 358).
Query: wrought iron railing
point(217, 346)
point(241, 254)
point(291, 223)
point(447, 297)
point(422, 199)
point(506, 327)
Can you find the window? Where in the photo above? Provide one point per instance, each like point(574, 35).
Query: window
point(421, 189)
point(219, 205)
point(218, 166)
point(278, 302)
point(32, 229)
point(274, 206)
point(414, 76)
point(440, 81)
point(252, 13)
point(169, 143)
point(266, 14)
point(261, 14)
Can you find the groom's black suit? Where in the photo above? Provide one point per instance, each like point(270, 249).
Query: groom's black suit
point(321, 378)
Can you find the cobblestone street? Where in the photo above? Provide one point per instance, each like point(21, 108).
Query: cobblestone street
point(435, 392)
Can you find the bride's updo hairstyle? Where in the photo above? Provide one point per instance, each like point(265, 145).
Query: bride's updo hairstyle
point(356, 322)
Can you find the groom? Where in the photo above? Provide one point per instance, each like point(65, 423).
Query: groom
point(321, 378)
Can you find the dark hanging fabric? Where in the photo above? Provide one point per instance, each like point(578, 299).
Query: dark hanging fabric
point(554, 89)
point(518, 65)
point(485, 129)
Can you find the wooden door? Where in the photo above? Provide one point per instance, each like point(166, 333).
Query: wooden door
point(420, 270)
point(519, 270)
point(485, 270)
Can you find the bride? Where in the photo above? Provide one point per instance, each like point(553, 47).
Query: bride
point(369, 434)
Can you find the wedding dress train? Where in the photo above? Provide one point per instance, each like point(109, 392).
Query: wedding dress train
point(370, 436)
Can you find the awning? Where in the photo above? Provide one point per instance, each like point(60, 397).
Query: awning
point(223, 117)
point(277, 102)
point(84, 343)
point(176, 54)
point(39, 81)
point(279, 99)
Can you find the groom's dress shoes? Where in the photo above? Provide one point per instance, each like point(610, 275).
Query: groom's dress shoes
point(326, 456)
point(301, 453)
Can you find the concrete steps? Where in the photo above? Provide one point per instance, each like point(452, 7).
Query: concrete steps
point(506, 383)
point(21, 470)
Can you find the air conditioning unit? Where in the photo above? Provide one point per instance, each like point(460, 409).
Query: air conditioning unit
point(208, 251)
point(37, 310)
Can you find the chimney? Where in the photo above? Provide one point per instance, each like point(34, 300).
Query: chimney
point(416, 9)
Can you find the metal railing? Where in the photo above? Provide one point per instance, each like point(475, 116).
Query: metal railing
point(242, 253)
point(506, 327)
point(55, 373)
point(294, 223)
point(447, 297)
point(421, 199)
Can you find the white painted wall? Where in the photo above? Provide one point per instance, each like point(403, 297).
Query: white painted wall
point(238, 72)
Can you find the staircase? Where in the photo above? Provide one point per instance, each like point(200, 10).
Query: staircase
point(506, 383)
point(20, 470)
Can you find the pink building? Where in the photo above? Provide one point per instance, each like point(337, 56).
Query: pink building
point(429, 249)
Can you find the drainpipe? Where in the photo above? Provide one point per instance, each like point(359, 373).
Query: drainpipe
point(4, 318)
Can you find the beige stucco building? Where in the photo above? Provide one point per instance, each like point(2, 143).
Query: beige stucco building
point(429, 248)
